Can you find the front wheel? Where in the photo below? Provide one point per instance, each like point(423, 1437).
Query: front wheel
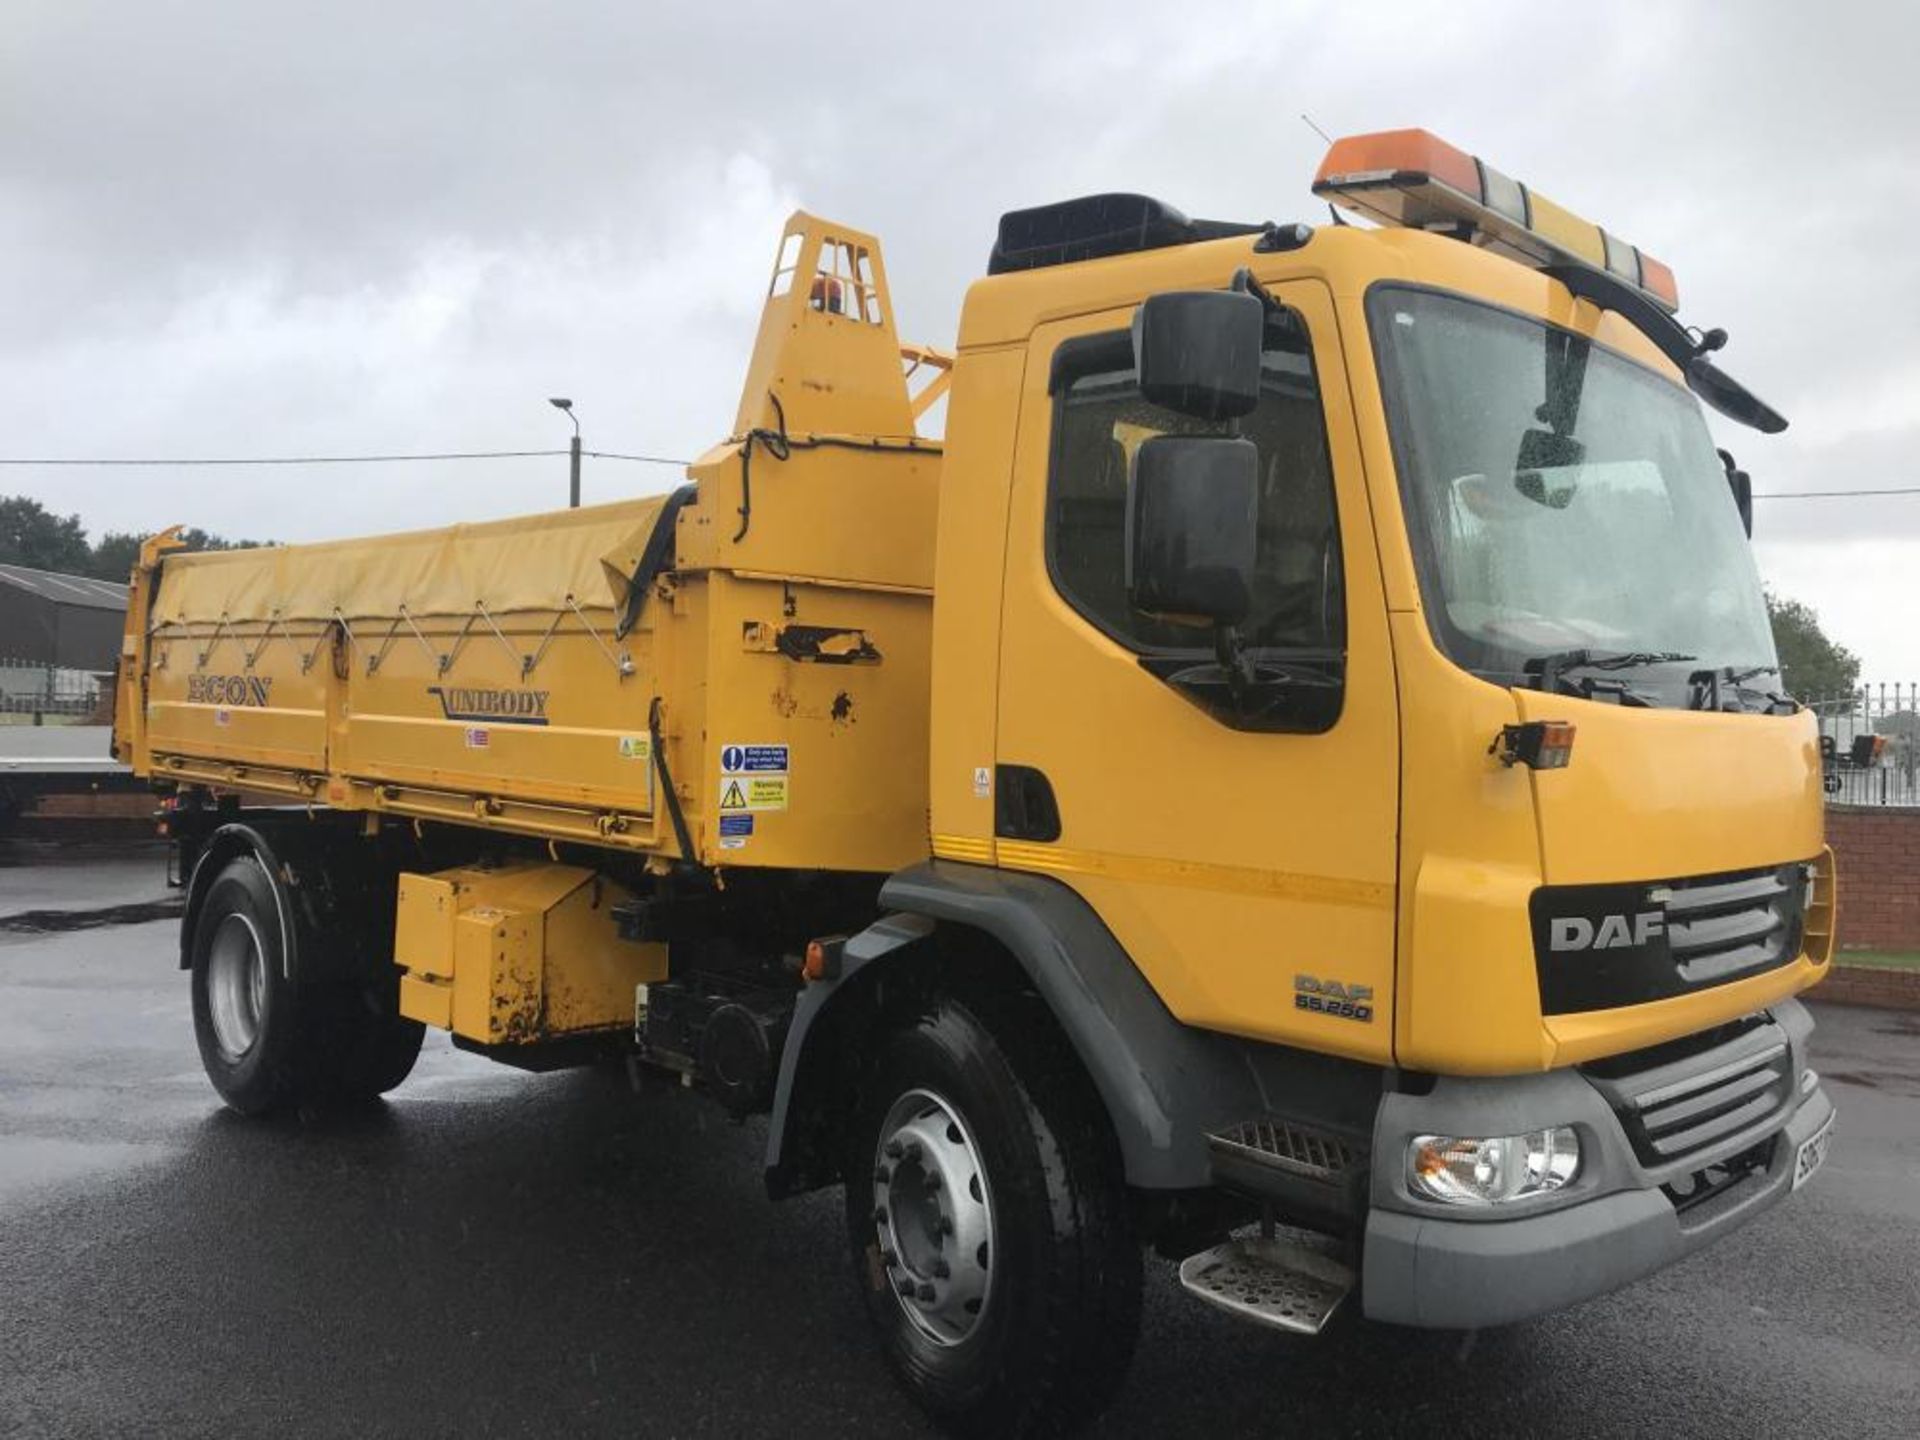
point(989, 1223)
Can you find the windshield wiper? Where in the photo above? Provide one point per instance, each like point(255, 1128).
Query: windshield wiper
point(1551, 672)
point(1708, 685)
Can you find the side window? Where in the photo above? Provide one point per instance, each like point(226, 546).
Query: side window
point(1100, 418)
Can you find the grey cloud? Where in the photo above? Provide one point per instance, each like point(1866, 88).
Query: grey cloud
point(237, 228)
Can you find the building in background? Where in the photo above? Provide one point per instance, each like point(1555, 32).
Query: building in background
point(59, 634)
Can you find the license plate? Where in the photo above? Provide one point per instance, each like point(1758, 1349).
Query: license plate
point(1813, 1154)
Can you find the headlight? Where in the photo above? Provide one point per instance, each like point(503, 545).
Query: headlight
point(1457, 1171)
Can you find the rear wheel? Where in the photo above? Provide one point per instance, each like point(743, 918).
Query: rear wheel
point(265, 1042)
point(989, 1224)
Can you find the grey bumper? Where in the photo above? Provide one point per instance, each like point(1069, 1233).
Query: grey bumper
point(1431, 1266)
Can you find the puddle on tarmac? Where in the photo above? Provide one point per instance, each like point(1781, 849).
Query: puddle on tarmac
point(59, 922)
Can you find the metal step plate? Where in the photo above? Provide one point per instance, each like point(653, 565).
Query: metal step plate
point(1270, 1282)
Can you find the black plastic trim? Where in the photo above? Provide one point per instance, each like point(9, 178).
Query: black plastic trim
point(1093, 227)
point(1166, 1086)
point(1752, 924)
point(653, 559)
point(1024, 807)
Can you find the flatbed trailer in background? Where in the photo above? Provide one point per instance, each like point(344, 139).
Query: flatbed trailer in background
point(1304, 749)
point(73, 766)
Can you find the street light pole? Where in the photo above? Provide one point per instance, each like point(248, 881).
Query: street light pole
point(560, 402)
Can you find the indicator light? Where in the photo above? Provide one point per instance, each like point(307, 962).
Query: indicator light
point(1538, 744)
point(822, 959)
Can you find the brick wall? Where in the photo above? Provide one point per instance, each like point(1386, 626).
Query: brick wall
point(1878, 853)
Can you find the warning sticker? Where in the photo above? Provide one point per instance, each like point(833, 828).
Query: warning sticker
point(753, 777)
point(636, 747)
point(766, 792)
point(752, 792)
point(752, 759)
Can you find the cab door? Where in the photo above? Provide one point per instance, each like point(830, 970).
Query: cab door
point(1247, 867)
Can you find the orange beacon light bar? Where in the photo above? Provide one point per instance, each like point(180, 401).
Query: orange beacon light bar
point(1414, 179)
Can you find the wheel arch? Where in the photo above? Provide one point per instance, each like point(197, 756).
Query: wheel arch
point(333, 896)
point(227, 843)
point(1163, 1084)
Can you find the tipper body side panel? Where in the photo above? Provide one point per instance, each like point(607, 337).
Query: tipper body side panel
point(773, 669)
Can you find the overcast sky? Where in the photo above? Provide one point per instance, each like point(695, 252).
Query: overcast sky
point(244, 228)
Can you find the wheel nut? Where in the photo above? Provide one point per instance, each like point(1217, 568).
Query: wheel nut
point(879, 1214)
point(946, 1224)
point(895, 1149)
point(926, 1291)
point(882, 1176)
point(888, 1258)
point(906, 1288)
point(941, 1270)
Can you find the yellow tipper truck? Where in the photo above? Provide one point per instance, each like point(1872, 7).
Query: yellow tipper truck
point(1296, 779)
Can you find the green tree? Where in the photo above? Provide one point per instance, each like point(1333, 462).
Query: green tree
point(114, 555)
point(1812, 664)
point(34, 536)
point(198, 539)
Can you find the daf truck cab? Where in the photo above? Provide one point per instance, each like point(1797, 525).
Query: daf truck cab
point(1299, 779)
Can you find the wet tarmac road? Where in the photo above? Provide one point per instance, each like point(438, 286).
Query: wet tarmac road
point(499, 1254)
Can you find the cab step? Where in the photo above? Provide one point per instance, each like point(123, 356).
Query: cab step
point(1270, 1282)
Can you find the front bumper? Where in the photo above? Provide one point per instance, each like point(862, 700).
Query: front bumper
point(1434, 1266)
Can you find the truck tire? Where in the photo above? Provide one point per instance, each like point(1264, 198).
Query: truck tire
point(269, 1044)
point(361, 1047)
point(989, 1221)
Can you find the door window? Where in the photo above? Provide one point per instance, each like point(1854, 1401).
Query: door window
point(1100, 420)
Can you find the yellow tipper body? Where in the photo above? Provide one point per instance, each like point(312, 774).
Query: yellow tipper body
point(505, 675)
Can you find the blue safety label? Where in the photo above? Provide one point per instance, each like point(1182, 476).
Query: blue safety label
point(751, 759)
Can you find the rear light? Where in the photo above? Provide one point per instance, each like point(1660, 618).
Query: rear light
point(1414, 179)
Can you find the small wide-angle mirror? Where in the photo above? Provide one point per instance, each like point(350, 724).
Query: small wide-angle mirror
point(1198, 351)
point(1191, 508)
point(1741, 484)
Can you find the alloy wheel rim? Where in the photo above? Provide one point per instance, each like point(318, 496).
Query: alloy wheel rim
point(236, 985)
point(933, 1217)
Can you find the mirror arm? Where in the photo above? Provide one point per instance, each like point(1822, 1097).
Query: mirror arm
point(1245, 284)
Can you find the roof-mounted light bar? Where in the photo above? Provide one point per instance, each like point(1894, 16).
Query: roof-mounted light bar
point(1414, 179)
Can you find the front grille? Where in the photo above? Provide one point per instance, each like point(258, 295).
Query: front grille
point(1725, 926)
point(1671, 1121)
point(1284, 1146)
point(1599, 947)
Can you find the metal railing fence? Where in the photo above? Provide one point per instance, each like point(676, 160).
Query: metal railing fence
point(39, 691)
point(1870, 745)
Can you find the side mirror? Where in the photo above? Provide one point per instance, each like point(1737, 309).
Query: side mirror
point(1191, 508)
point(1741, 484)
point(1198, 351)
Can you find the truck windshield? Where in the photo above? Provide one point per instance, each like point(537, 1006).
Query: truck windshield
point(1571, 520)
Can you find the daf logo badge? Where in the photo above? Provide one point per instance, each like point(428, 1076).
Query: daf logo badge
point(1610, 932)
